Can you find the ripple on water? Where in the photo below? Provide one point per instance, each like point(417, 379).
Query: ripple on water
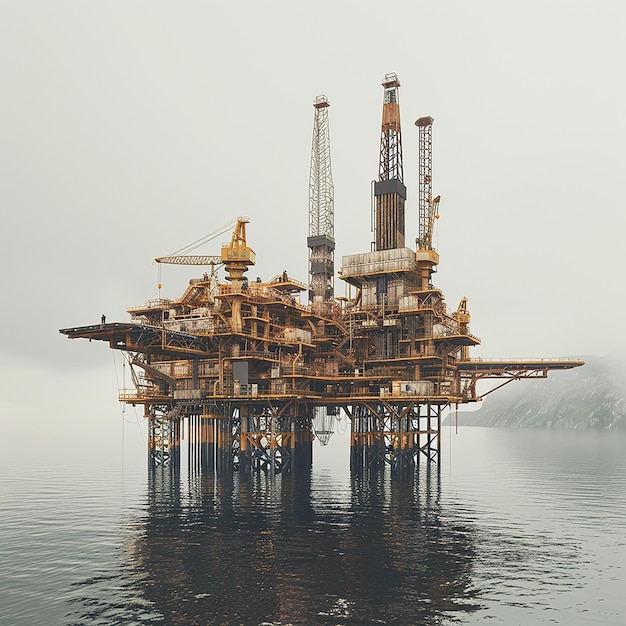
point(507, 532)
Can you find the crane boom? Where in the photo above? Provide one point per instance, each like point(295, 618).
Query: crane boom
point(236, 250)
point(181, 258)
point(190, 260)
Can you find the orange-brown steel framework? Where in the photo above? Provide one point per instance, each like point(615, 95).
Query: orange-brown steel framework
point(252, 372)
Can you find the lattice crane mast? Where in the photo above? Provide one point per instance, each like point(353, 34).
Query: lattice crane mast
point(321, 240)
point(389, 190)
point(428, 206)
point(426, 256)
point(190, 259)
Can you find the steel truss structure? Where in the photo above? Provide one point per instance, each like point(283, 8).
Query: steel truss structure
point(427, 204)
point(389, 190)
point(321, 239)
point(163, 437)
point(395, 434)
point(277, 439)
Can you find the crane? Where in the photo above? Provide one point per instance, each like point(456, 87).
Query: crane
point(426, 256)
point(321, 241)
point(389, 190)
point(236, 256)
point(428, 206)
point(463, 317)
point(180, 257)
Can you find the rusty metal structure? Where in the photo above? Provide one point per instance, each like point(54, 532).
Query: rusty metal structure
point(252, 375)
point(389, 190)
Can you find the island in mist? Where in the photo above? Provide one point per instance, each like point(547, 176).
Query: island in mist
point(593, 396)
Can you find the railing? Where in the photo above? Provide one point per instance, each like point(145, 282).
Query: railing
point(157, 303)
point(524, 360)
point(279, 278)
point(138, 395)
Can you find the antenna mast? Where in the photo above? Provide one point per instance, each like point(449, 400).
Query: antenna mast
point(321, 240)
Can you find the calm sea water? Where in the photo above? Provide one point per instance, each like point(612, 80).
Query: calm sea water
point(517, 527)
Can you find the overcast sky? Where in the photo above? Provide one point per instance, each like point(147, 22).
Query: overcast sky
point(131, 128)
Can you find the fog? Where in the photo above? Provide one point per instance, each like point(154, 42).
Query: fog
point(130, 129)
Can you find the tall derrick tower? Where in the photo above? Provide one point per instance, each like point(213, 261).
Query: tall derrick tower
point(386, 274)
point(321, 241)
point(389, 190)
point(400, 330)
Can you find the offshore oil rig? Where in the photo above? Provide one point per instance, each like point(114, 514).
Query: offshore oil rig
point(253, 375)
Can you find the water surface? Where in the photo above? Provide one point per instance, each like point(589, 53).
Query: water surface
point(516, 527)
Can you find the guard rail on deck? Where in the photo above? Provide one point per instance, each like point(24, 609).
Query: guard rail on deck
point(508, 363)
point(157, 303)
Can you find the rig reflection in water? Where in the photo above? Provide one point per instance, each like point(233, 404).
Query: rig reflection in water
point(296, 549)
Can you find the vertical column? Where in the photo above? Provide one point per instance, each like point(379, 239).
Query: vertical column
point(356, 440)
point(302, 442)
point(223, 443)
point(405, 447)
point(207, 440)
point(193, 457)
point(244, 445)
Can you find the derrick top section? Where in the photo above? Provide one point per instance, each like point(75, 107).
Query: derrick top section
point(321, 102)
point(389, 190)
point(391, 167)
point(390, 80)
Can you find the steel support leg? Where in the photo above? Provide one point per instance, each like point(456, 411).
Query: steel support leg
point(163, 441)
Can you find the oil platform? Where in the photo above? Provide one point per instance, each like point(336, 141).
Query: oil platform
point(253, 375)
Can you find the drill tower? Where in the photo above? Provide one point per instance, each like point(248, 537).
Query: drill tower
point(252, 375)
point(389, 190)
point(321, 240)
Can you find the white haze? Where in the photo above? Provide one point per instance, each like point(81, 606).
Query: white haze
point(130, 129)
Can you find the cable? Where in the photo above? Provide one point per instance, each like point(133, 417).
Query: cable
point(122, 407)
point(196, 244)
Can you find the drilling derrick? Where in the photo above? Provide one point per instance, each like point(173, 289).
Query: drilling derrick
point(426, 257)
point(321, 241)
point(389, 190)
point(404, 342)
